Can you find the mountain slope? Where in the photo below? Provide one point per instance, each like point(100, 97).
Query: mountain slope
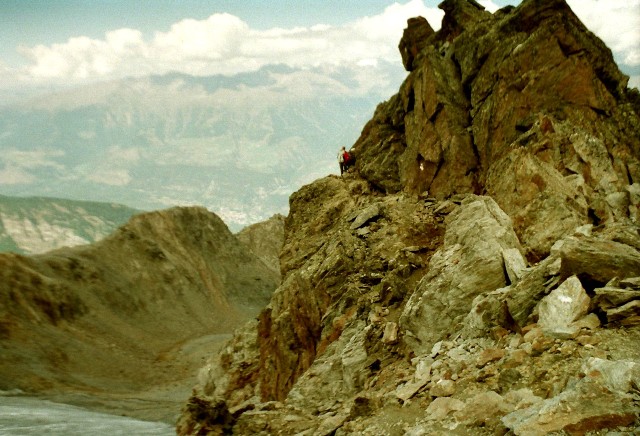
point(265, 240)
point(37, 224)
point(479, 270)
point(128, 315)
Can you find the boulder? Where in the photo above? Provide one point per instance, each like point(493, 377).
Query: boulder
point(514, 263)
point(620, 376)
point(490, 355)
point(390, 335)
point(586, 407)
point(610, 297)
point(365, 216)
point(407, 390)
point(559, 310)
point(598, 260)
point(627, 315)
point(482, 409)
point(441, 407)
point(470, 263)
point(443, 388)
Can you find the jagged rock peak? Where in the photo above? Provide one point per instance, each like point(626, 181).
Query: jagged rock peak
point(459, 14)
point(413, 40)
point(526, 105)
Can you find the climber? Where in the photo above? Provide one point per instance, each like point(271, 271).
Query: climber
point(345, 160)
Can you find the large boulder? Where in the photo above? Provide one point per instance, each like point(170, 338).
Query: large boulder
point(565, 305)
point(470, 263)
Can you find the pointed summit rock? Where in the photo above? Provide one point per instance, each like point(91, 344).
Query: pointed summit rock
point(413, 40)
point(458, 15)
point(526, 105)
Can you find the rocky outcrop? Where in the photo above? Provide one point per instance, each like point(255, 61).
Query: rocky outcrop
point(478, 273)
point(413, 40)
point(336, 277)
point(129, 314)
point(480, 349)
point(525, 105)
point(471, 262)
point(327, 262)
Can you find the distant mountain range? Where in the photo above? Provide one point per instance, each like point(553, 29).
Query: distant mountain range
point(236, 145)
point(37, 224)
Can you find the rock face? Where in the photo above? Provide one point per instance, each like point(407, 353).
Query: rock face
point(524, 105)
point(478, 273)
point(413, 40)
point(470, 263)
point(128, 314)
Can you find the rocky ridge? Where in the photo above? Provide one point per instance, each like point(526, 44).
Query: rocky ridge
point(479, 272)
point(121, 324)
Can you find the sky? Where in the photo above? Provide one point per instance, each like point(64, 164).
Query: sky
point(64, 42)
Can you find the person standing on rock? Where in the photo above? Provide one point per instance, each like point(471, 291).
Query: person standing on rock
point(344, 160)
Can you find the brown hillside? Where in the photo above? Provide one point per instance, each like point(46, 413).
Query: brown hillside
point(128, 314)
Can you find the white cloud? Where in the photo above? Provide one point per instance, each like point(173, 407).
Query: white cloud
point(120, 155)
point(224, 44)
point(15, 176)
point(110, 176)
point(9, 77)
point(215, 38)
point(125, 41)
point(616, 22)
point(389, 25)
point(31, 159)
point(20, 166)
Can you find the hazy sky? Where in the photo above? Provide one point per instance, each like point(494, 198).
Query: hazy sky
point(66, 41)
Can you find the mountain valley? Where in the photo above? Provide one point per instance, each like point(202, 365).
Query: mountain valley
point(236, 145)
